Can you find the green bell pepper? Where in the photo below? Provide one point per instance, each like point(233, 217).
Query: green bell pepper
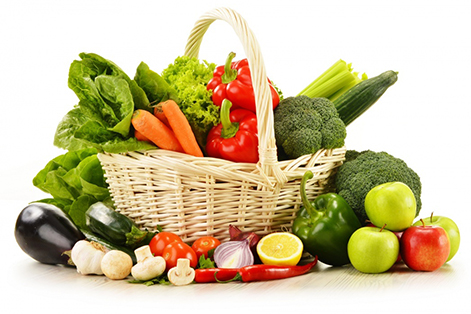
point(325, 225)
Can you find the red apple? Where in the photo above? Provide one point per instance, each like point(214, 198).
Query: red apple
point(424, 248)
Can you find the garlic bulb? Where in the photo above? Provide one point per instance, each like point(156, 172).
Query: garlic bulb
point(87, 257)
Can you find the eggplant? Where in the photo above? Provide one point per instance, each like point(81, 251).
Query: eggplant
point(46, 233)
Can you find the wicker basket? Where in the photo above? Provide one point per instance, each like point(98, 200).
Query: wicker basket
point(197, 196)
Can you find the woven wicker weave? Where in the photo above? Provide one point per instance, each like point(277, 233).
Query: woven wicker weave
point(197, 196)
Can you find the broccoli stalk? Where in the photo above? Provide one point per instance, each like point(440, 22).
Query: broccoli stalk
point(333, 82)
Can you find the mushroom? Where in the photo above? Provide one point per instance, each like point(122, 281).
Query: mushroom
point(148, 266)
point(116, 265)
point(182, 274)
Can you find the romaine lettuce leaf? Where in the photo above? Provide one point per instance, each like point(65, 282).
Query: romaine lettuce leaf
point(102, 117)
point(75, 180)
point(155, 87)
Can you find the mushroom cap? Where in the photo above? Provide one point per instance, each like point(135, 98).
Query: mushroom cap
point(116, 265)
point(148, 268)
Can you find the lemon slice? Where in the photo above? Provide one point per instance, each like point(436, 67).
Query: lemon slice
point(280, 248)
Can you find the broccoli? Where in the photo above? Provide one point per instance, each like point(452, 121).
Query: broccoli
point(364, 170)
point(303, 125)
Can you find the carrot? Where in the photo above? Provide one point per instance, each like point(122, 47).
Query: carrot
point(152, 128)
point(181, 128)
point(161, 115)
point(138, 135)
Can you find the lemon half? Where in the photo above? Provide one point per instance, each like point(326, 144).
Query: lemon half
point(280, 248)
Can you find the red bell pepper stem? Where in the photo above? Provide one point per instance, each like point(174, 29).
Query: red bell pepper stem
point(229, 128)
point(230, 74)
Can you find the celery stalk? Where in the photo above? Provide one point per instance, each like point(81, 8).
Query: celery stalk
point(338, 67)
point(333, 82)
point(357, 80)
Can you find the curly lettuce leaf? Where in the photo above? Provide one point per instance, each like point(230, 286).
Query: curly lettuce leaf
point(189, 77)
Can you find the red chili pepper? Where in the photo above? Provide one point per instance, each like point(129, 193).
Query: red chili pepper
point(214, 274)
point(233, 81)
point(235, 138)
point(259, 272)
point(270, 272)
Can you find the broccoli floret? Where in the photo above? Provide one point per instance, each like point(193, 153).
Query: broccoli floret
point(333, 133)
point(364, 170)
point(303, 125)
point(311, 139)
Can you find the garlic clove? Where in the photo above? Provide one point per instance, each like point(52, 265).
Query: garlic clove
point(87, 257)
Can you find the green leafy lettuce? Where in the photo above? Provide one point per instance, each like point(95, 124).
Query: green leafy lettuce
point(102, 117)
point(155, 87)
point(75, 180)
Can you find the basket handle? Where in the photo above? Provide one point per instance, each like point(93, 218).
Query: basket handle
point(268, 158)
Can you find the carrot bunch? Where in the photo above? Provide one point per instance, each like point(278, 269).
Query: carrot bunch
point(167, 128)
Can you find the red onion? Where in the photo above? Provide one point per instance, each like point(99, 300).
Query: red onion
point(238, 235)
point(234, 254)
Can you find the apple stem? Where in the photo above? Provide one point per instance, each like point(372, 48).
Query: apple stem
point(431, 217)
point(423, 222)
point(382, 228)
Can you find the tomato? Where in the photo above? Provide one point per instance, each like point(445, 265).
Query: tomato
point(161, 240)
point(176, 250)
point(205, 244)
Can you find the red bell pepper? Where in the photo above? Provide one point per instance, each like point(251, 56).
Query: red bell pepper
point(236, 137)
point(233, 81)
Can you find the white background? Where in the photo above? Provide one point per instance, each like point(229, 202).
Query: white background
point(423, 118)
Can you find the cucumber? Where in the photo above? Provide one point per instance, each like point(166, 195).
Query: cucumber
point(354, 102)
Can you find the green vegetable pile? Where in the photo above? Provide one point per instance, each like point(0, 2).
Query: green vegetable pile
point(101, 122)
point(108, 97)
point(362, 171)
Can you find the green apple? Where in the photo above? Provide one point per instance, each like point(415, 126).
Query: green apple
point(373, 250)
point(392, 204)
point(450, 227)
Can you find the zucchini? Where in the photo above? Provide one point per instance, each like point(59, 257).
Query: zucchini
point(110, 246)
point(115, 227)
point(354, 102)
